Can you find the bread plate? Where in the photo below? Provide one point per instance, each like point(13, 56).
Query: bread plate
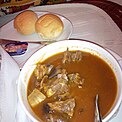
point(8, 31)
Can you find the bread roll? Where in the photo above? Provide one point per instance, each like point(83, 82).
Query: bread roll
point(49, 26)
point(25, 22)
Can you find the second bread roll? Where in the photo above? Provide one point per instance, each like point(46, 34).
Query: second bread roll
point(49, 26)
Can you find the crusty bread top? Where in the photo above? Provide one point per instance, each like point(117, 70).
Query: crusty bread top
point(49, 26)
point(25, 22)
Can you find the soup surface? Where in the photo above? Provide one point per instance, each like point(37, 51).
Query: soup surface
point(69, 86)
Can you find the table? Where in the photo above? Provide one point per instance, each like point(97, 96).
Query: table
point(90, 23)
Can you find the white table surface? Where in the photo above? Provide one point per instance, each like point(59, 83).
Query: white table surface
point(89, 22)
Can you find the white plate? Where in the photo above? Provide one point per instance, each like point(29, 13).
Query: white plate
point(8, 32)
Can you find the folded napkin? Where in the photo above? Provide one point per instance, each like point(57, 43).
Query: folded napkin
point(8, 95)
point(10, 109)
point(20, 115)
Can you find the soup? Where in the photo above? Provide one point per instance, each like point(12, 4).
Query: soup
point(63, 87)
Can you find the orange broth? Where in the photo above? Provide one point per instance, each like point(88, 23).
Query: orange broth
point(99, 79)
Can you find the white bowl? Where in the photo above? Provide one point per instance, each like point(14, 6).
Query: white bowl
point(61, 46)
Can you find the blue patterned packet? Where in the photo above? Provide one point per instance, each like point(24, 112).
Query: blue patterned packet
point(16, 48)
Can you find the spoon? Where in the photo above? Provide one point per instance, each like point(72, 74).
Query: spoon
point(98, 117)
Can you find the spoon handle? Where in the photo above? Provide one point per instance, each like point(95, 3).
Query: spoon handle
point(98, 117)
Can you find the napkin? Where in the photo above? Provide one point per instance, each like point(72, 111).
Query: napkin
point(20, 115)
point(9, 72)
point(10, 108)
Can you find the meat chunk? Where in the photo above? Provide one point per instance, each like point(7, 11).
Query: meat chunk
point(71, 56)
point(56, 86)
point(76, 56)
point(57, 71)
point(75, 78)
point(66, 106)
point(63, 96)
point(67, 57)
point(42, 70)
point(43, 82)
